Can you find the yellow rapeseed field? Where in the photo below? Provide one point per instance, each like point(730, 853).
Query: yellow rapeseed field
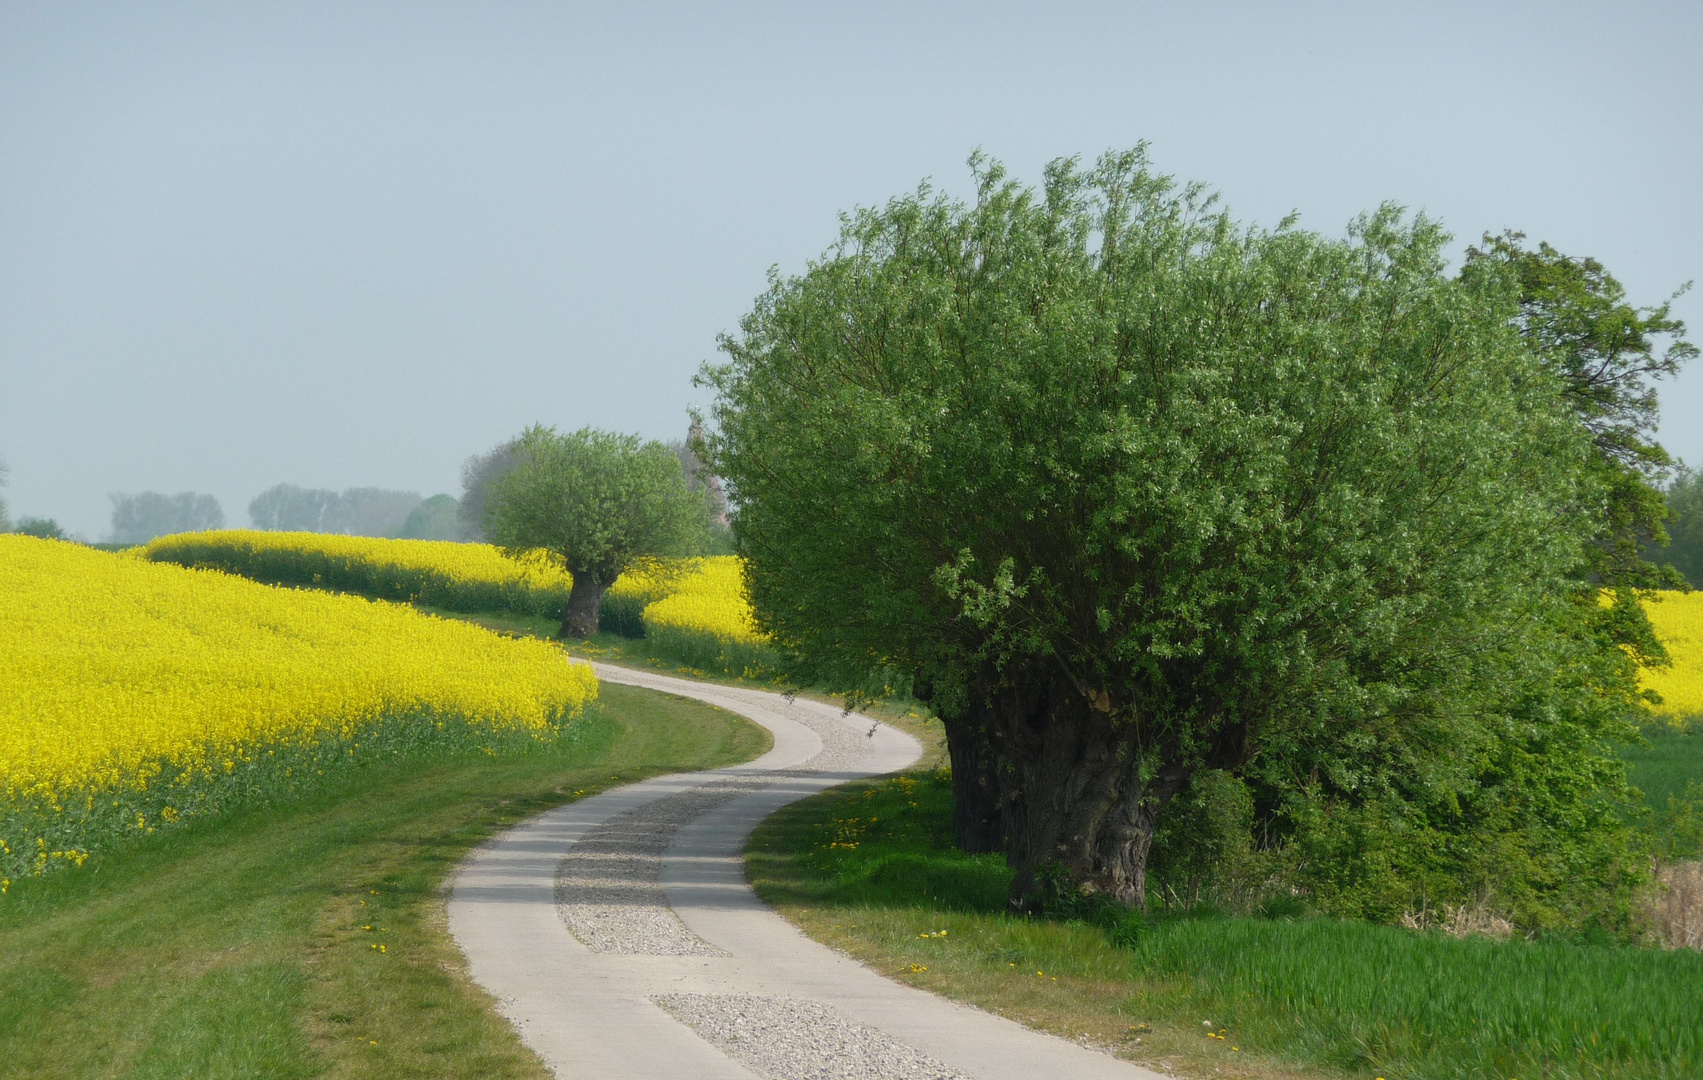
point(708, 599)
point(1678, 619)
point(706, 619)
point(136, 693)
point(692, 609)
point(460, 577)
point(625, 602)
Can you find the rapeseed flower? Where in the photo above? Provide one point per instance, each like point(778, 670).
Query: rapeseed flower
point(137, 694)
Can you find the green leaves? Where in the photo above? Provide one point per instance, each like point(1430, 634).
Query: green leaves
point(1281, 502)
point(1102, 422)
point(596, 502)
point(1607, 356)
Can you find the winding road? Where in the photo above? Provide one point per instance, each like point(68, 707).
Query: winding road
point(622, 941)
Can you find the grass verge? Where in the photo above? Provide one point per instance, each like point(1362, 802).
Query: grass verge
point(870, 869)
point(308, 940)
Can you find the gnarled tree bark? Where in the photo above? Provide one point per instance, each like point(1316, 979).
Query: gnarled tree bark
point(1078, 800)
point(585, 605)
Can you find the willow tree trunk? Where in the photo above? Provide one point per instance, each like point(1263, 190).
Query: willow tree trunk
point(1078, 811)
point(585, 604)
point(978, 818)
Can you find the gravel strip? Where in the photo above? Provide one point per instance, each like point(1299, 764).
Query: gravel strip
point(608, 888)
point(842, 747)
point(792, 1039)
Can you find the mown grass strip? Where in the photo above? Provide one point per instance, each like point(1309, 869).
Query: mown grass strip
point(308, 939)
point(870, 868)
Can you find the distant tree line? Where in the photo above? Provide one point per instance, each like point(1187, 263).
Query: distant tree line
point(354, 512)
point(137, 519)
point(369, 511)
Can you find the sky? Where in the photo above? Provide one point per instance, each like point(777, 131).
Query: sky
point(350, 245)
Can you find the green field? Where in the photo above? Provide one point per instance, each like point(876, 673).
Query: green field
point(871, 869)
point(308, 940)
point(1669, 771)
point(1664, 768)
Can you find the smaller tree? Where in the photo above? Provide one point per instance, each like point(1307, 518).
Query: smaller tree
point(596, 503)
point(478, 474)
point(288, 508)
point(1608, 356)
point(435, 519)
point(5, 523)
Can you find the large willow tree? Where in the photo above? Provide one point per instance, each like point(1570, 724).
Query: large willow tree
point(1133, 491)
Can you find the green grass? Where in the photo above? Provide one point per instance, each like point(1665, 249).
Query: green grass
point(1664, 768)
point(249, 945)
point(870, 867)
point(1669, 771)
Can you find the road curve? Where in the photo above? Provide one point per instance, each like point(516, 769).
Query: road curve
point(622, 941)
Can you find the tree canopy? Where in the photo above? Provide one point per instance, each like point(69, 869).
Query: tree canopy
point(1133, 491)
point(597, 503)
point(1608, 356)
point(44, 528)
point(437, 518)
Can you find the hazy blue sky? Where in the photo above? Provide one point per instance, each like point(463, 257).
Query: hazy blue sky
point(351, 244)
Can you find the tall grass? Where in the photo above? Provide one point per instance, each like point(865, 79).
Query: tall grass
point(1360, 996)
point(1671, 762)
